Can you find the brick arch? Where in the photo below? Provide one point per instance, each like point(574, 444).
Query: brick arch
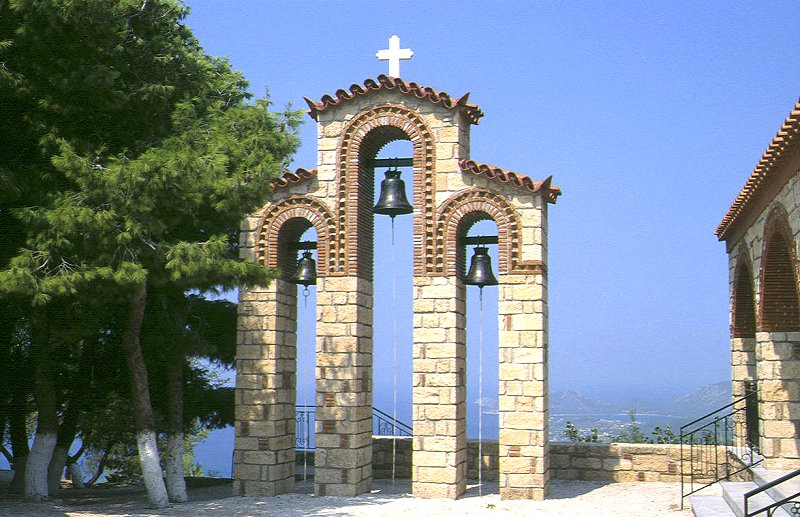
point(285, 222)
point(466, 208)
point(779, 309)
point(361, 140)
point(743, 308)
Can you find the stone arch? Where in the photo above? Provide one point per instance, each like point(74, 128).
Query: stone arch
point(285, 222)
point(361, 141)
point(743, 349)
point(468, 207)
point(779, 309)
point(743, 307)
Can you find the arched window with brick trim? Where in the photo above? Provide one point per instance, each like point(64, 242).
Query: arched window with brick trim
point(743, 318)
point(779, 307)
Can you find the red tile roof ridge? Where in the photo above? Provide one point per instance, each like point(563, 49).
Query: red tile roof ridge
point(515, 178)
point(786, 137)
point(472, 111)
point(291, 178)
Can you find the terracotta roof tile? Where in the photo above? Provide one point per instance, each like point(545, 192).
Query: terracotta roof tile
point(516, 179)
point(290, 178)
point(472, 111)
point(764, 173)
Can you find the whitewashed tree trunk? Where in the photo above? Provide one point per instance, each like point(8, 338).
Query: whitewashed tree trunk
point(176, 484)
point(142, 409)
point(76, 475)
point(151, 469)
point(56, 469)
point(36, 466)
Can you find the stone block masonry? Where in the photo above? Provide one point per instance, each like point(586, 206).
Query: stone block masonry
point(451, 193)
point(343, 464)
point(264, 453)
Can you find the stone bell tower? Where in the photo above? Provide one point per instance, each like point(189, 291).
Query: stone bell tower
point(451, 193)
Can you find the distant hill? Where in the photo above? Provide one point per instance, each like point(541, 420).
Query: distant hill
point(611, 418)
point(574, 402)
point(692, 404)
point(700, 401)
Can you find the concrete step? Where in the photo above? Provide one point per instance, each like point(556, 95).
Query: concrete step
point(710, 506)
point(733, 493)
point(762, 476)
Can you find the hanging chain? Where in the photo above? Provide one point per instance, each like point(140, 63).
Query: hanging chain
point(394, 358)
point(480, 395)
point(307, 439)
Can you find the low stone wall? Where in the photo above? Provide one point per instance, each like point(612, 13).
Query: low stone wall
point(621, 462)
point(382, 457)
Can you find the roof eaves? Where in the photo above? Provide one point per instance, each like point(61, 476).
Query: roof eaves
point(471, 111)
point(518, 180)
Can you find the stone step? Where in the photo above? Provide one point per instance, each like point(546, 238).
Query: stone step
point(733, 493)
point(762, 476)
point(710, 506)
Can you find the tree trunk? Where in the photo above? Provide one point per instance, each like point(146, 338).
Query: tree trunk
point(19, 439)
point(55, 471)
point(142, 409)
point(74, 468)
point(101, 465)
point(176, 484)
point(69, 422)
point(76, 475)
point(47, 424)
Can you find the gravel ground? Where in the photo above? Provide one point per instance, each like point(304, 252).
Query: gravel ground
point(567, 498)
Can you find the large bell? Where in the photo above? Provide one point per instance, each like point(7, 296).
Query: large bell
point(393, 200)
point(480, 269)
point(306, 272)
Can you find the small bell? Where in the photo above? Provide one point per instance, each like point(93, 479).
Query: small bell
point(306, 272)
point(480, 269)
point(393, 200)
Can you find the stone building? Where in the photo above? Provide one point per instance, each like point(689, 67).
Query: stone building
point(451, 193)
point(761, 232)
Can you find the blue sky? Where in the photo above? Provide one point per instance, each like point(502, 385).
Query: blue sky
point(649, 115)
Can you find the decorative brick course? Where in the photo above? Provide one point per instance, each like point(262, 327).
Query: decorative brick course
point(451, 193)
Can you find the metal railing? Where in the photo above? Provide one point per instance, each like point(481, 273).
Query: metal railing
point(772, 508)
point(382, 425)
point(710, 443)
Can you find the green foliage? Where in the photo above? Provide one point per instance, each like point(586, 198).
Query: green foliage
point(634, 434)
point(122, 464)
point(129, 157)
point(139, 153)
point(574, 435)
point(665, 435)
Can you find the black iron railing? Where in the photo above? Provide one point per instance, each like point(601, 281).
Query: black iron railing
point(304, 432)
point(383, 424)
point(717, 446)
point(792, 501)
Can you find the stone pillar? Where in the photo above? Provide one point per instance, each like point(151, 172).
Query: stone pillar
point(343, 460)
point(778, 365)
point(439, 388)
point(264, 452)
point(743, 369)
point(523, 404)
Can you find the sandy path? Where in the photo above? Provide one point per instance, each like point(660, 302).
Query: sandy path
point(567, 498)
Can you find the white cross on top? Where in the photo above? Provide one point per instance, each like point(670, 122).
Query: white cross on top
point(394, 54)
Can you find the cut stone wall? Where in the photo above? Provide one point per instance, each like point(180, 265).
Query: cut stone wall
point(770, 358)
point(451, 193)
point(439, 388)
point(617, 462)
point(343, 423)
point(264, 443)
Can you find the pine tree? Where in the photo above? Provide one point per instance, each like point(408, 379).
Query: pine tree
point(134, 157)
